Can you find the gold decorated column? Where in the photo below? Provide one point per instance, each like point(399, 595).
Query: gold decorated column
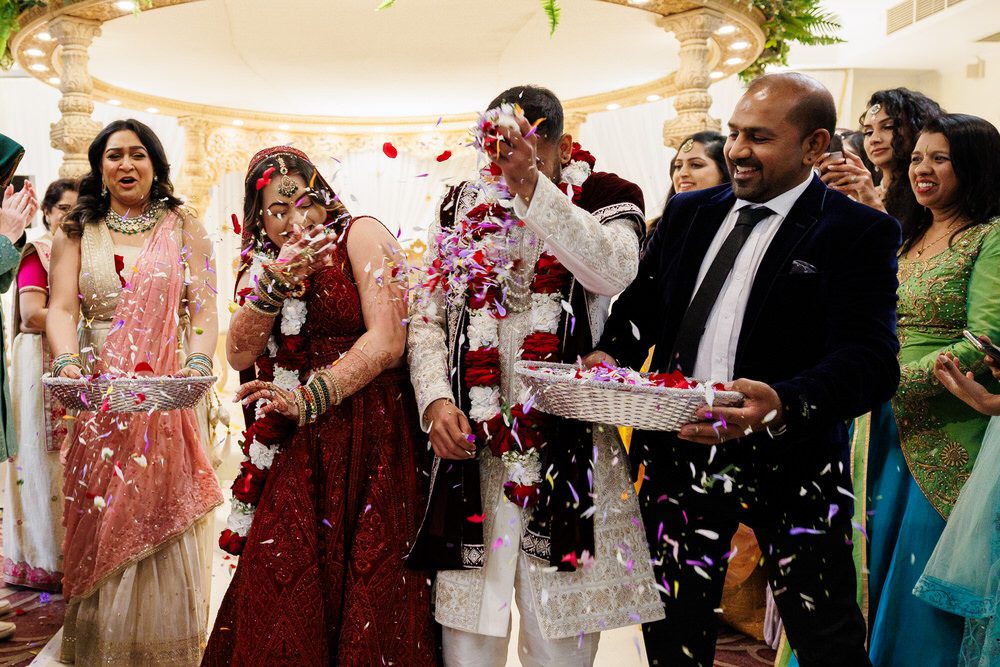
point(76, 128)
point(692, 102)
point(573, 123)
point(197, 176)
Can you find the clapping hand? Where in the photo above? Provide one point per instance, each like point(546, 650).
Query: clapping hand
point(17, 210)
point(761, 410)
point(964, 386)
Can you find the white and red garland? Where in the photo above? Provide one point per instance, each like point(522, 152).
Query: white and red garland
point(264, 439)
point(475, 264)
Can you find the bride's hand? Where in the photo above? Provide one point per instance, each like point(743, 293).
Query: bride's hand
point(305, 251)
point(275, 399)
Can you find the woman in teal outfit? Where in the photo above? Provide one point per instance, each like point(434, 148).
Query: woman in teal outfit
point(949, 273)
point(963, 574)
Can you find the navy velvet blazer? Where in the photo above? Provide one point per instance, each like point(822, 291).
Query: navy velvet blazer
point(820, 324)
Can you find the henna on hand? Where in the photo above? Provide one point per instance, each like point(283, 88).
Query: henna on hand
point(249, 331)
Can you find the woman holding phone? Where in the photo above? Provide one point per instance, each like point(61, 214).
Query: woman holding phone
point(949, 274)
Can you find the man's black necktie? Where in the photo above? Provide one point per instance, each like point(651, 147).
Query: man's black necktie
point(696, 316)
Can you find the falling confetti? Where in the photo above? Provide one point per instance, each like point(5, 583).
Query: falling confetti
point(444, 156)
point(389, 150)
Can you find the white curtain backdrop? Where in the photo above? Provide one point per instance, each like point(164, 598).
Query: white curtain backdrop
point(401, 192)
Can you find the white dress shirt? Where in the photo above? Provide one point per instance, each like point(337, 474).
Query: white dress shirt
point(717, 350)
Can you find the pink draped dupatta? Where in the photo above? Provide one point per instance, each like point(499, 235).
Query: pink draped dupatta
point(134, 481)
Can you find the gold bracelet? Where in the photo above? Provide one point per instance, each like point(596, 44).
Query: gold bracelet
point(255, 307)
point(338, 393)
point(300, 403)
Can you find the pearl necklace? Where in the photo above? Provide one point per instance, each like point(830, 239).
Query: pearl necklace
point(136, 225)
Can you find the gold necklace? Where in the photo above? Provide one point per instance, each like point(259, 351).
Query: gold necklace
point(135, 225)
point(925, 246)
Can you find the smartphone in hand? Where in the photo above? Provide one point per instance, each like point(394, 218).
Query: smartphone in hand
point(990, 350)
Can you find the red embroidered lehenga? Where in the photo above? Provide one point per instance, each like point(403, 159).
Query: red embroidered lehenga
point(321, 578)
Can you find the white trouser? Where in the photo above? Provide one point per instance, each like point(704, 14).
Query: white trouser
point(469, 649)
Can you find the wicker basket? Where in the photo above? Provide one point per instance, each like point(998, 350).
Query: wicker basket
point(142, 394)
point(649, 408)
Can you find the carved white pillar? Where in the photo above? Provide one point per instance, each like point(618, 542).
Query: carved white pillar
point(693, 30)
point(75, 130)
point(196, 176)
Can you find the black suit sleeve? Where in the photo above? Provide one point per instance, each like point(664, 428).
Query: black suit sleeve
point(638, 305)
point(860, 368)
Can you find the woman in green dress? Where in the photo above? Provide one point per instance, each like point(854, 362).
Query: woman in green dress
point(949, 272)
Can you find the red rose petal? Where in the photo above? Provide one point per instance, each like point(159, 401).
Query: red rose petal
point(265, 179)
point(236, 223)
point(143, 367)
point(477, 518)
point(389, 150)
point(444, 156)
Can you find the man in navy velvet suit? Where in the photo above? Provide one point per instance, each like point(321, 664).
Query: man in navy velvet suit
point(790, 288)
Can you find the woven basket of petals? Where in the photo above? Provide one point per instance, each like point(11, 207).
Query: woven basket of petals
point(624, 397)
point(129, 394)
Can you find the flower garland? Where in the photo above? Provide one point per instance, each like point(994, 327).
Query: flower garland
point(286, 351)
point(475, 264)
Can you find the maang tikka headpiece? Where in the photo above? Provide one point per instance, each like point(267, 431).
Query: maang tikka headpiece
point(287, 187)
point(873, 111)
point(687, 146)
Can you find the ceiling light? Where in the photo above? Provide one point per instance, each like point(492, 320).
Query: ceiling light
point(638, 2)
point(54, 80)
point(115, 103)
point(43, 37)
point(726, 30)
point(613, 106)
point(332, 128)
point(284, 126)
point(739, 46)
point(734, 61)
point(380, 129)
point(38, 67)
point(125, 5)
point(237, 122)
point(152, 110)
point(716, 75)
point(34, 53)
point(653, 98)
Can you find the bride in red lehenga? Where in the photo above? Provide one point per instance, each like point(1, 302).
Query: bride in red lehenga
point(329, 497)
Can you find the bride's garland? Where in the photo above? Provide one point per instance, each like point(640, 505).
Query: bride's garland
point(475, 264)
point(287, 350)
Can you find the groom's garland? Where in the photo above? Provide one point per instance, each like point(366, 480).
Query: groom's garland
point(287, 349)
point(475, 265)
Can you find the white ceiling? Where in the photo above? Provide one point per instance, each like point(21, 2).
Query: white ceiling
point(941, 41)
point(342, 58)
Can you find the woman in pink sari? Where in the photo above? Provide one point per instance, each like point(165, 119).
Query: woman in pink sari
point(139, 487)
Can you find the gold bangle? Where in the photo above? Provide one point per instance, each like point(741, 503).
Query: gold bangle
point(256, 308)
point(338, 393)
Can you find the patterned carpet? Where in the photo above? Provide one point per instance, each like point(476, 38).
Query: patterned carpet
point(38, 617)
point(737, 650)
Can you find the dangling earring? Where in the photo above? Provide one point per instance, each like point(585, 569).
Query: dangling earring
point(104, 189)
